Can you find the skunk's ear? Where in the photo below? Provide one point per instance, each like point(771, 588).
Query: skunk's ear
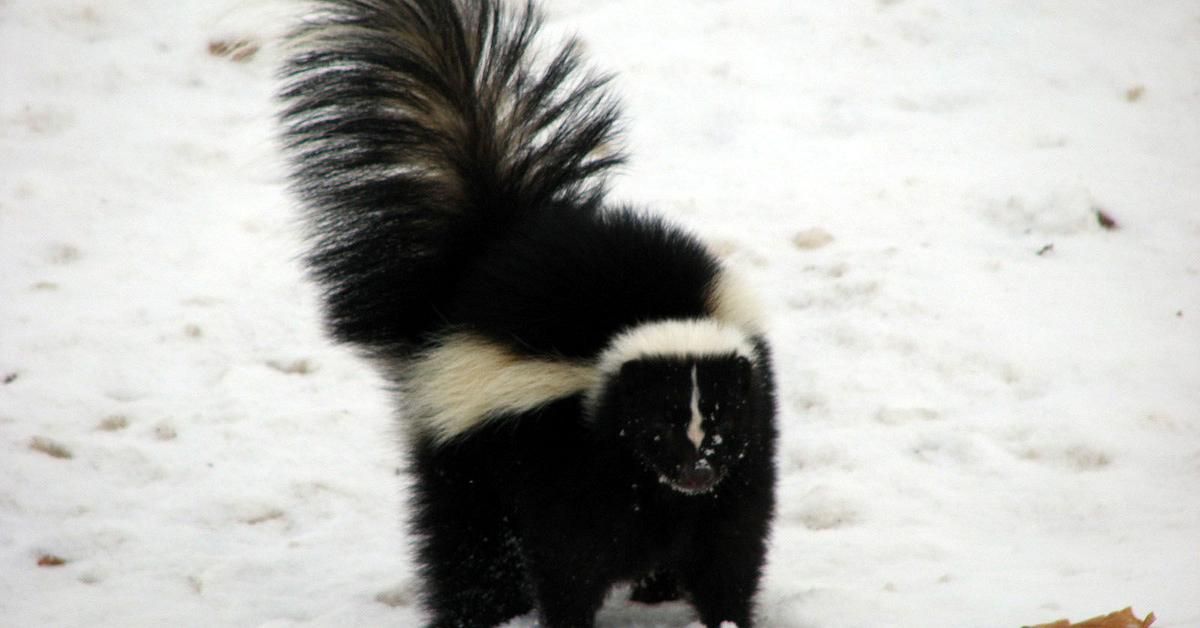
point(632, 381)
point(628, 368)
point(633, 371)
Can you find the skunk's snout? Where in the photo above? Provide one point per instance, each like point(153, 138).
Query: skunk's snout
point(698, 478)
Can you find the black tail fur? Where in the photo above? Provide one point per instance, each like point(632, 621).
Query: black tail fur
point(417, 129)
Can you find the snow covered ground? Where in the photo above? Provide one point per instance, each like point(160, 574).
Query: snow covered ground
point(991, 402)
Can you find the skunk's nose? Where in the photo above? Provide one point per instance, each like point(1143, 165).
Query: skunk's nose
point(699, 477)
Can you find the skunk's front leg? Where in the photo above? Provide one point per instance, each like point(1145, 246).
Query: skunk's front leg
point(568, 598)
point(724, 573)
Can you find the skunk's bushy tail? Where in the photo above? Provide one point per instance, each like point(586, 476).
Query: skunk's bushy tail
point(417, 128)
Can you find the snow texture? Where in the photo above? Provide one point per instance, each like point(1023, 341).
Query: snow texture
point(990, 401)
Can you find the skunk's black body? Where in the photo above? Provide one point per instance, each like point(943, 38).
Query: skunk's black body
point(586, 395)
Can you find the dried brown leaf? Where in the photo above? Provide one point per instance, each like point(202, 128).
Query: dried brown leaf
point(50, 448)
point(50, 560)
point(1121, 619)
point(1105, 220)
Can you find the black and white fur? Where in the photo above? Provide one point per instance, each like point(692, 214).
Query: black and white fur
point(585, 390)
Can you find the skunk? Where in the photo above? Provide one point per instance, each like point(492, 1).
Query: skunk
point(585, 391)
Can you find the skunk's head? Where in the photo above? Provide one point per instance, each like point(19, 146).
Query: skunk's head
point(680, 396)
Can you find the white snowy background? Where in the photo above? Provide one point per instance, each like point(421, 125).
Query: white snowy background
point(990, 402)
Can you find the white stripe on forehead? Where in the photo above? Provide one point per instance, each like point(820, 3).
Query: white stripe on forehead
point(696, 338)
point(694, 432)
